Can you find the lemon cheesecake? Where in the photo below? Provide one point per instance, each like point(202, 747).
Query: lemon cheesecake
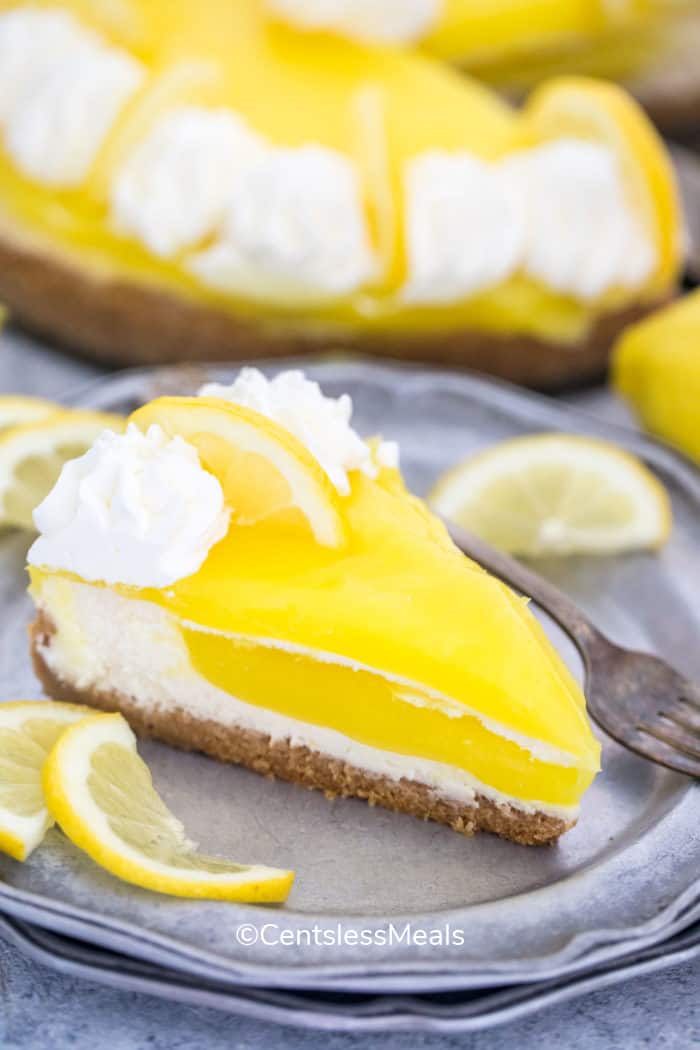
point(224, 186)
point(240, 573)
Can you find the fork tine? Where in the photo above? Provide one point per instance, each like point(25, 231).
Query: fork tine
point(653, 749)
point(672, 738)
point(684, 717)
point(690, 694)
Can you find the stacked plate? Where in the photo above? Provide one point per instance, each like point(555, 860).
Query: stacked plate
point(438, 1012)
point(393, 923)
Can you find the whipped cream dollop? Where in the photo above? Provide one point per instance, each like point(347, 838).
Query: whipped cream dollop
point(61, 89)
point(30, 40)
point(280, 223)
point(321, 423)
point(136, 508)
point(582, 236)
point(295, 227)
point(557, 212)
point(465, 227)
point(175, 187)
point(371, 21)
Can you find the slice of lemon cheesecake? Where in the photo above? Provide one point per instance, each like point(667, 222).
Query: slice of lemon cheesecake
point(240, 573)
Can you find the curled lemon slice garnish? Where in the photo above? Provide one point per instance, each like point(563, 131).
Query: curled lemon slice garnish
point(264, 470)
point(578, 107)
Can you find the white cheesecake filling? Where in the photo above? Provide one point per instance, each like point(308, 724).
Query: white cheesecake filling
point(61, 89)
point(107, 642)
point(370, 21)
point(321, 423)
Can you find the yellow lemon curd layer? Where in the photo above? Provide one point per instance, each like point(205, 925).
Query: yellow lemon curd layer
point(379, 106)
point(396, 641)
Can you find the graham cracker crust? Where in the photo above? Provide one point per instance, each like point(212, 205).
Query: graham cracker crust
point(121, 322)
point(300, 765)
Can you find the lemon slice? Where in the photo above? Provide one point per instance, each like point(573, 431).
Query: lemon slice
point(101, 793)
point(28, 731)
point(591, 109)
point(263, 469)
point(556, 494)
point(31, 457)
point(15, 409)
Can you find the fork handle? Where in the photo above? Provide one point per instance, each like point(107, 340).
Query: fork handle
point(562, 610)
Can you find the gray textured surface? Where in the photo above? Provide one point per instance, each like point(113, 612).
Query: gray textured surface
point(40, 1009)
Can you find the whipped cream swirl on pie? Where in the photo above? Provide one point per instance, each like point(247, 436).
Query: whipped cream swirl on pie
point(295, 228)
point(321, 423)
point(175, 187)
point(61, 89)
point(556, 212)
point(136, 509)
point(280, 223)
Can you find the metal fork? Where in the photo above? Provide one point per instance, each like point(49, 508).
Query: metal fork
point(635, 697)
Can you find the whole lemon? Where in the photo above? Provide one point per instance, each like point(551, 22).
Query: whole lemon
point(656, 367)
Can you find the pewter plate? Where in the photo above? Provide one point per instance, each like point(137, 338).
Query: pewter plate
point(625, 878)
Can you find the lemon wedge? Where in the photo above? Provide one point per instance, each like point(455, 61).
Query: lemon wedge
point(579, 107)
point(101, 793)
point(31, 457)
point(264, 470)
point(28, 731)
point(556, 494)
point(656, 367)
point(16, 409)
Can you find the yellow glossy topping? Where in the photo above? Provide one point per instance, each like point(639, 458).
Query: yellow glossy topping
point(520, 42)
point(486, 35)
point(377, 107)
point(400, 598)
point(482, 31)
